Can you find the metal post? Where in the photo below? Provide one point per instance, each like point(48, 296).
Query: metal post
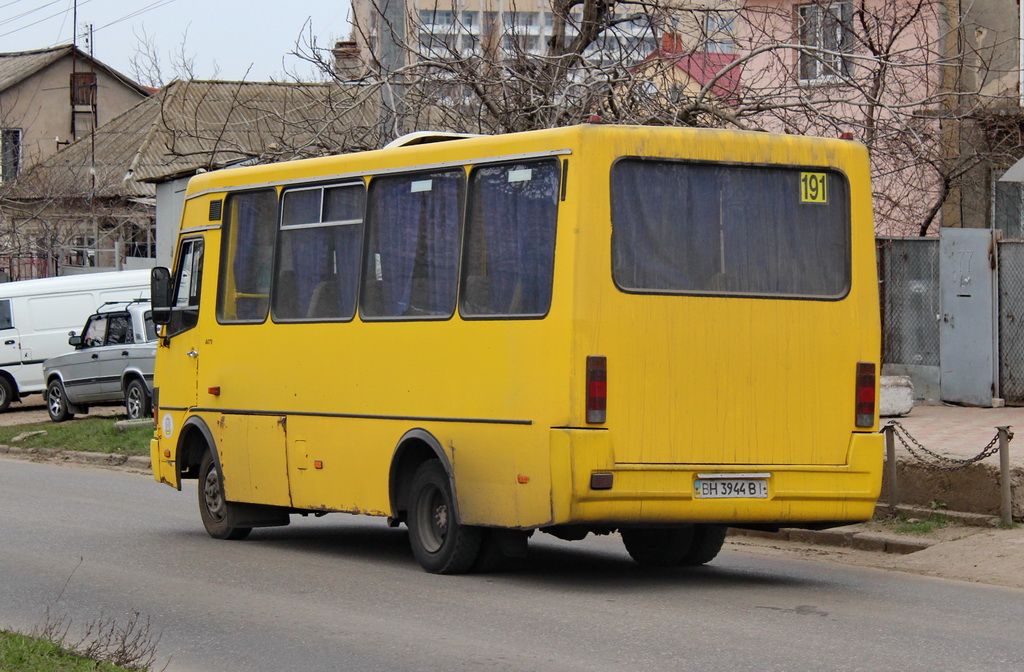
point(1006, 507)
point(890, 466)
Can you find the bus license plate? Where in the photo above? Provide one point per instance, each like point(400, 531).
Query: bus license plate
point(720, 488)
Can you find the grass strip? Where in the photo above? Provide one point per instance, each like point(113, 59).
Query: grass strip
point(21, 653)
point(93, 435)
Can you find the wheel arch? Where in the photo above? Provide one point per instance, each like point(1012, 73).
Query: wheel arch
point(128, 375)
point(414, 448)
point(194, 439)
point(12, 381)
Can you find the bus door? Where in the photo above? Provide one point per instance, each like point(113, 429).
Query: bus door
point(179, 372)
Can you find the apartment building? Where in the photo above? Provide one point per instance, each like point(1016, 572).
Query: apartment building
point(507, 28)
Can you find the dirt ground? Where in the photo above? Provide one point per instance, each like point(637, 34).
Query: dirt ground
point(992, 556)
point(33, 409)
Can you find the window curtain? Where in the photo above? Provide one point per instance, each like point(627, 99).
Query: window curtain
point(519, 229)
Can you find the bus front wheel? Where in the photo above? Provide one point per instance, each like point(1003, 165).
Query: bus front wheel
point(658, 547)
point(212, 506)
point(441, 545)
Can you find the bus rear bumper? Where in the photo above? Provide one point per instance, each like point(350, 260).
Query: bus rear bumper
point(815, 495)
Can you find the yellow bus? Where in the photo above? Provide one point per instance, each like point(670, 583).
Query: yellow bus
point(656, 331)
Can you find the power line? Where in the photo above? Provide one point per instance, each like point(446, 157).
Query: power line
point(37, 22)
point(155, 5)
point(30, 11)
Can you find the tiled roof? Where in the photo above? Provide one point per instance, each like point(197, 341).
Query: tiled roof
point(202, 124)
point(16, 66)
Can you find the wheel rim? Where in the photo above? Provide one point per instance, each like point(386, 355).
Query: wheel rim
point(134, 403)
point(212, 496)
point(55, 400)
point(432, 516)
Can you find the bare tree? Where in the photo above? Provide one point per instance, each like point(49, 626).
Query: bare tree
point(903, 77)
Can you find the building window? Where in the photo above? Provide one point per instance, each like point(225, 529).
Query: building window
point(10, 153)
point(827, 28)
point(83, 88)
point(718, 30)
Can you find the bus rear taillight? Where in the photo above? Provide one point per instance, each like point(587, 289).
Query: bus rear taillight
point(597, 389)
point(865, 394)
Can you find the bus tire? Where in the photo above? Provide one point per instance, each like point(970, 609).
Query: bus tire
point(6, 393)
point(440, 544)
point(136, 400)
point(213, 507)
point(57, 402)
point(658, 547)
point(707, 542)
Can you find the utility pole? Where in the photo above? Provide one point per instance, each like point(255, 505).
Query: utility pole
point(392, 58)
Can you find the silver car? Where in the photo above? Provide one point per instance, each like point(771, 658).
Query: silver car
point(112, 362)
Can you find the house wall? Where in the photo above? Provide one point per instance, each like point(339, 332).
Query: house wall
point(40, 105)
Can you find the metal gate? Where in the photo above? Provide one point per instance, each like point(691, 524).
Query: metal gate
point(967, 330)
point(1011, 321)
point(908, 270)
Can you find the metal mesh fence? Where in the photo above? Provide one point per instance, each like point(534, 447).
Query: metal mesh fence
point(1011, 321)
point(908, 271)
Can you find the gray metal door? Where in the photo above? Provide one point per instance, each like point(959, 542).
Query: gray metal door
point(967, 329)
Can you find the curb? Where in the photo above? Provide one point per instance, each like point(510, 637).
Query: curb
point(134, 462)
point(841, 537)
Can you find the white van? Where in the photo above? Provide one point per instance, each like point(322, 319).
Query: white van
point(36, 317)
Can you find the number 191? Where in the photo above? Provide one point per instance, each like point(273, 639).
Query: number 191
point(813, 188)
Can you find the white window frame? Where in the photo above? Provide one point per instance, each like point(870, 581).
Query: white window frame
point(819, 67)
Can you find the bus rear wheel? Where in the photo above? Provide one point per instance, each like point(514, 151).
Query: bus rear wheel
point(658, 547)
point(213, 508)
point(707, 542)
point(440, 544)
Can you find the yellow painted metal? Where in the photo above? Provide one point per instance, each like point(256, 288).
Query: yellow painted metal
point(694, 383)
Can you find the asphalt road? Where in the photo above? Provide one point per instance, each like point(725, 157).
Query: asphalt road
point(343, 593)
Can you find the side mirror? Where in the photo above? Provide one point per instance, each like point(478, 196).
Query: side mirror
point(76, 341)
point(160, 294)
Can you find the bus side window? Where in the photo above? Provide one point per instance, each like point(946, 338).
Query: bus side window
point(412, 257)
point(319, 246)
point(247, 256)
point(509, 258)
point(187, 285)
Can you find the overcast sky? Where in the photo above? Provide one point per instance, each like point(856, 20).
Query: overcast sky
point(229, 39)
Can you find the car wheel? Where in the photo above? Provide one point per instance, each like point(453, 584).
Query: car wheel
point(6, 393)
point(213, 507)
point(57, 402)
point(136, 400)
point(658, 547)
point(441, 545)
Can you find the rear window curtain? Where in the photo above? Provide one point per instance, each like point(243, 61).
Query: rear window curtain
point(723, 229)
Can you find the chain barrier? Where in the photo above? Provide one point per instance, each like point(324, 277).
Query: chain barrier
point(937, 461)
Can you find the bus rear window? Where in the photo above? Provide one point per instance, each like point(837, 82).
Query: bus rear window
point(699, 228)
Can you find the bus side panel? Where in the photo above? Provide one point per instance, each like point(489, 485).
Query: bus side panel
point(502, 475)
point(340, 464)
